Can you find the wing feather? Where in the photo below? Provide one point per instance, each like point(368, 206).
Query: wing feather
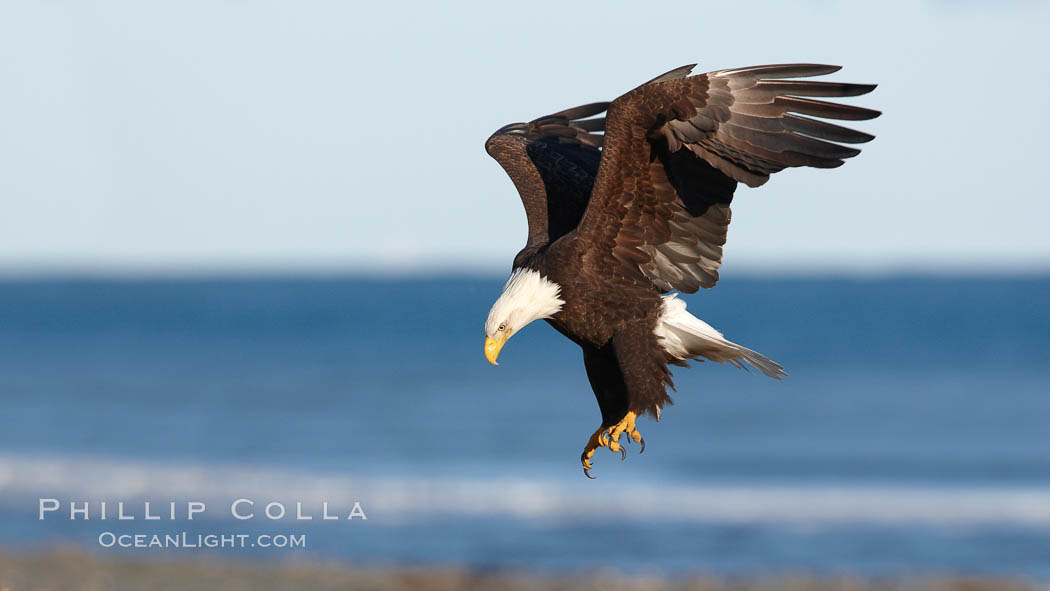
point(553, 161)
point(675, 148)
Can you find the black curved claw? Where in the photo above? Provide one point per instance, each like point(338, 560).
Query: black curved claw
point(623, 452)
point(641, 440)
point(586, 470)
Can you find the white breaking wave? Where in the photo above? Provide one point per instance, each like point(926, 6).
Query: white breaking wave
point(24, 478)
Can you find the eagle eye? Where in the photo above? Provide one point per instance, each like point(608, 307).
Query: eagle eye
point(502, 327)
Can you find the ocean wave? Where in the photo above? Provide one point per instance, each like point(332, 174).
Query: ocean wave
point(395, 499)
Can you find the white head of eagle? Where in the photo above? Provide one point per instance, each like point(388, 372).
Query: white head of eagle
point(527, 296)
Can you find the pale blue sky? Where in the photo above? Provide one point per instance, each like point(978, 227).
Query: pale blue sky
point(306, 135)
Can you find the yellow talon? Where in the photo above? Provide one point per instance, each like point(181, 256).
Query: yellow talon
point(626, 424)
point(610, 438)
point(594, 443)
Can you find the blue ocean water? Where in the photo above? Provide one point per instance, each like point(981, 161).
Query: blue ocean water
point(911, 436)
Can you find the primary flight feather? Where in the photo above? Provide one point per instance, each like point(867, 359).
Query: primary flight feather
point(626, 209)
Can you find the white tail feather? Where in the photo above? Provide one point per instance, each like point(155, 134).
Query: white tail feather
point(684, 336)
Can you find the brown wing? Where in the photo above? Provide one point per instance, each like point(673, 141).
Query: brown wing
point(676, 147)
point(552, 161)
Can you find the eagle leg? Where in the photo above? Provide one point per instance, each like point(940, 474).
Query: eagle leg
point(610, 437)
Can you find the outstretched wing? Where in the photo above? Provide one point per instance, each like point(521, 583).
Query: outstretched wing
point(676, 147)
point(552, 161)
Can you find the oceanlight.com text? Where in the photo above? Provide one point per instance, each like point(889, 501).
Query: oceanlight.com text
point(193, 541)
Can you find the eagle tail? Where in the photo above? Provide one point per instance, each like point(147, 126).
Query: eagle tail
point(685, 336)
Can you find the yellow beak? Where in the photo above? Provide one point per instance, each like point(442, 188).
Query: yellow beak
point(493, 346)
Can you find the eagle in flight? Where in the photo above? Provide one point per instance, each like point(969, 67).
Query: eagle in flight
point(627, 210)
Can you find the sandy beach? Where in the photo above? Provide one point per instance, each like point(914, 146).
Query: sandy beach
point(71, 570)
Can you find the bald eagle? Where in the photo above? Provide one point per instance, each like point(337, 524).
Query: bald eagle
point(628, 210)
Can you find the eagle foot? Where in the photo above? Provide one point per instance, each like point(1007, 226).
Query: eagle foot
point(610, 437)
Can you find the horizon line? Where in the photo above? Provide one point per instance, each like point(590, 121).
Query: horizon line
point(189, 272)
